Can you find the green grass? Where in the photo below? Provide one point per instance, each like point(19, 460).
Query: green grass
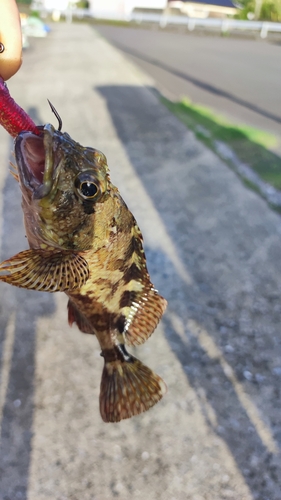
point(250, 145)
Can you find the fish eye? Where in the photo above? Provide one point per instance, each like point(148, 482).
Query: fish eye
point(87, 186)
point(88, 189)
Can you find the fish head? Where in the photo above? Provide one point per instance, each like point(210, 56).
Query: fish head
point(63, 187)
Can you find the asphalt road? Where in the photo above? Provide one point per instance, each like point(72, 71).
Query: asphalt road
point(213, 250)
point(238, 78)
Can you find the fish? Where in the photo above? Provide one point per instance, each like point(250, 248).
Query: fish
point(84, 241)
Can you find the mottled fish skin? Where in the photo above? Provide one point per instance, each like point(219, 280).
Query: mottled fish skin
point(84, 241)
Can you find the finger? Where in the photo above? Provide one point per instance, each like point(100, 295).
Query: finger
point(10, 38)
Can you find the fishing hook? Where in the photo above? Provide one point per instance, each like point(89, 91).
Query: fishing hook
point(56, 115)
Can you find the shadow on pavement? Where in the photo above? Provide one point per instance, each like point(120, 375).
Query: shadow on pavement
point(205, 300)
point(25, 307)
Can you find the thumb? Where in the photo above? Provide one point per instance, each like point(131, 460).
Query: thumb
point(10, 38)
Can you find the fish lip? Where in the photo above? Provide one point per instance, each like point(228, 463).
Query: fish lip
point(34, 158)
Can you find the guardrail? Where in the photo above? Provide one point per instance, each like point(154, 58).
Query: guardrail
point(224, 25)
point(163, 20)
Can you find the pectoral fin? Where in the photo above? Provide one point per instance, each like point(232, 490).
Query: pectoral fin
point(46, 271)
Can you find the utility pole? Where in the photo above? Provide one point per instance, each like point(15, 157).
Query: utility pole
point(258, 5)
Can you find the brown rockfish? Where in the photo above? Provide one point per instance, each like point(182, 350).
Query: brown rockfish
point(85, 242)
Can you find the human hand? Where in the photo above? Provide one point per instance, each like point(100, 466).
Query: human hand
point(10, 39)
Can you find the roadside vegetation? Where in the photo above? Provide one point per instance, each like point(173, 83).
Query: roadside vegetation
point(264, 10)
point(233, 143)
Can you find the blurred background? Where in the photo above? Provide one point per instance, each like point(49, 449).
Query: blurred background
point(183, 97)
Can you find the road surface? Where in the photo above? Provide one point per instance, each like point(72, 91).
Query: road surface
point(213, 250)
point(238, 78)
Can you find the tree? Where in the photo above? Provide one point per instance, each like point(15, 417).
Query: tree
point(271, 10)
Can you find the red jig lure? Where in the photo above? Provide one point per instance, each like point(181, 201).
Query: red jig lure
point(12, 117)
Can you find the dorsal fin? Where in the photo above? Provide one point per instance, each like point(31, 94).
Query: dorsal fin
point(74, 316)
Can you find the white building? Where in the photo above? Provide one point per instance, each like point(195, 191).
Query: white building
point(101, 8)
point(124, 7)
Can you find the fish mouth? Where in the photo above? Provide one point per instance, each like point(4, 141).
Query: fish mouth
point(35, 160)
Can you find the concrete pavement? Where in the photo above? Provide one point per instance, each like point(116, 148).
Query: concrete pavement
point(213, 251)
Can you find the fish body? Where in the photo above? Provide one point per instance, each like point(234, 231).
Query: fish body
point(85, 241)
